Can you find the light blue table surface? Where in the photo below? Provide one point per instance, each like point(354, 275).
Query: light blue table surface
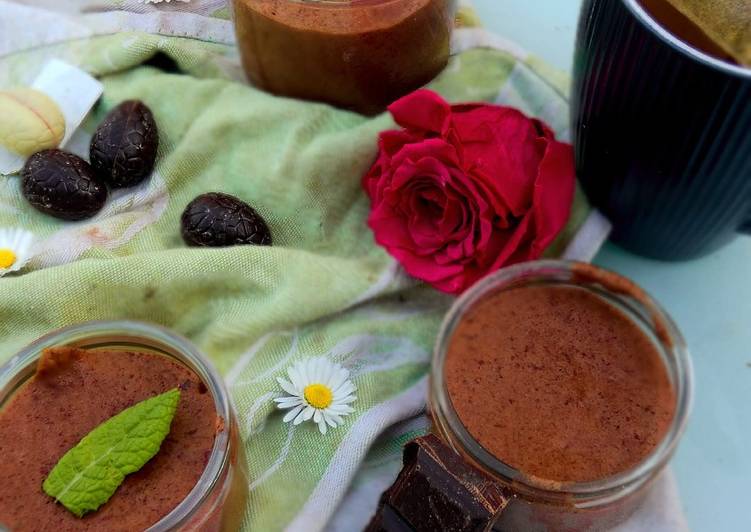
point(710, 299)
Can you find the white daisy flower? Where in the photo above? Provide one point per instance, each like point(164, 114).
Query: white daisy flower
point(319, 390)
point(15, 249)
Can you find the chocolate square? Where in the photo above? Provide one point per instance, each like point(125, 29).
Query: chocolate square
point(438, 490)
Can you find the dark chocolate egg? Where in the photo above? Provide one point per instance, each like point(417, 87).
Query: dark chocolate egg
point(62, 185)
point(219, 220)
point(124, 146)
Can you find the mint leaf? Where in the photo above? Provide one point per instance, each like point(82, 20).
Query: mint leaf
point(88, 474)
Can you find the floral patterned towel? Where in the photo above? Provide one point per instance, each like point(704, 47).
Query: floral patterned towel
point(323, 289)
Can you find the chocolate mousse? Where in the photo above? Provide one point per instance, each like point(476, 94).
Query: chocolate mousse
point(558, 383)
point(72, 392)
point(356, 54)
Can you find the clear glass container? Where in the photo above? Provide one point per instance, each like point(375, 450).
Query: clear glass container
point(537, 504)
point(218, 500)
point(356, 54)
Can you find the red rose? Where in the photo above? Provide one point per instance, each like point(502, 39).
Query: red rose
point(464, 190)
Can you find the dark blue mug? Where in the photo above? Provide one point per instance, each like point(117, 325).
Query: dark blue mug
point(662, 133)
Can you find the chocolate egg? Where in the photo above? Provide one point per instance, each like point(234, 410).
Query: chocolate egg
point(219, 220)
point(62, 185)
point(123, 148)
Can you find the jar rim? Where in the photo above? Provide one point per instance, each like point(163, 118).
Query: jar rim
point(338, 4)
point(593, 492)
point(129, 333)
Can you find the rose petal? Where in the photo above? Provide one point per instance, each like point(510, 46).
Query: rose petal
point(424, 268)
point(423, 222)
point(499, 143)
point(508, 242)
point(554, 195)
point(455, 284)
point(543, 129)
point(422, 110)
point(456, 222)
point(389, 228)
point(436, 149)
point(391, 141)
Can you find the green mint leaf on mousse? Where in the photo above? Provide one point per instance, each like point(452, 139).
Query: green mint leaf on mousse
point(88, 474)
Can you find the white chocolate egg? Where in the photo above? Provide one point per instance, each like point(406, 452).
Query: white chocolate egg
point(31, 121)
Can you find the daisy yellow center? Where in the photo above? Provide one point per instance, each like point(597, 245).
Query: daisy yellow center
point(318, 396)
point(7, 258)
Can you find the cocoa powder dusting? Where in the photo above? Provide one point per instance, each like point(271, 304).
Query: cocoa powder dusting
point(558, 383)
point(587, 274)
point(73, 392)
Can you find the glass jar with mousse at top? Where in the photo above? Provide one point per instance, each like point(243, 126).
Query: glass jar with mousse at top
point(355, 54)
point(538, 503)
point(217, 501)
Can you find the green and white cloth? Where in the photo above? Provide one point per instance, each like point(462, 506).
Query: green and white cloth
point(324, 288)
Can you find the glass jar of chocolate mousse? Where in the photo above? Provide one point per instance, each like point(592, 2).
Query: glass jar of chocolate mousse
point(566, 384)
point(355, 54)
point(217, 499)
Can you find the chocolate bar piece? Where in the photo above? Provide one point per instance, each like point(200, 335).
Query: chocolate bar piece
point(438, 491)
point(387, 519)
